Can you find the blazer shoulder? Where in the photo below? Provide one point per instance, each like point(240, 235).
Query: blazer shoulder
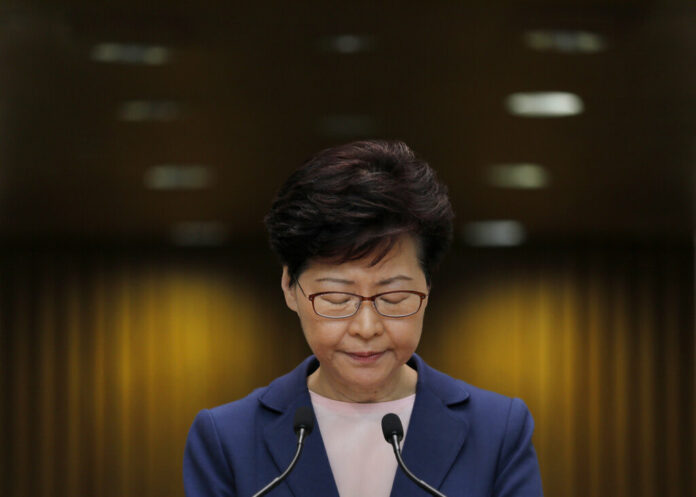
point(497, 417)
point(486, 397)
point(455, 392)
point(239, 413)
point(262, 404)
point(494, 406)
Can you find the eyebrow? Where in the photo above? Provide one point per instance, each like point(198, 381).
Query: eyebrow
point(386, 281)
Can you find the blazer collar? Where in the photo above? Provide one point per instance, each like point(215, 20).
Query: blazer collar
point(435, 429)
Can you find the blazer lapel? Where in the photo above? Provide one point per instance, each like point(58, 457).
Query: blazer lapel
point(312, 476)
point(435, 434)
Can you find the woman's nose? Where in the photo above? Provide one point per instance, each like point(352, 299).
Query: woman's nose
point(366, 322)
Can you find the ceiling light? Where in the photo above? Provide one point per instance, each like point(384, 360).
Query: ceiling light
point(526, 176)
point(564, 41)
point(178, 177)
point(144, 110)
point(494, 233)
point(199, 234)
point(544, 104)
point(346, 44)
point(130, 54)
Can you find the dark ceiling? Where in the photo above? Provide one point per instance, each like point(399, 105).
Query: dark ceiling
point(252, 90)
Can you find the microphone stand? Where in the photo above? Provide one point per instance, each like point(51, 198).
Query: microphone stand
point(302, 432)
point(397, 452)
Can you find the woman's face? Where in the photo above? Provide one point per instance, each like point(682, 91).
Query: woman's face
point(362, 358)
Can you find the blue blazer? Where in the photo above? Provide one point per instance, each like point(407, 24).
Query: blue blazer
point(464, 441)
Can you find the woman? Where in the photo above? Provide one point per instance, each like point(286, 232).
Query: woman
point(359, 229)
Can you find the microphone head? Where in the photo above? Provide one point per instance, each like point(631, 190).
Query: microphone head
point(391, 425)
point(304, 418)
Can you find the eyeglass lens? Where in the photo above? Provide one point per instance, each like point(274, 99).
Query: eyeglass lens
point(337, 304)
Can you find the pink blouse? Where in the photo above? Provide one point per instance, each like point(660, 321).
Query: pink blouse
point(361, 461)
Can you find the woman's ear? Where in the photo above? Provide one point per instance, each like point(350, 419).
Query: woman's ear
point(288, 289)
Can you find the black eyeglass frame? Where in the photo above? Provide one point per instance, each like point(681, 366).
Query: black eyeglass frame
point(372, 299)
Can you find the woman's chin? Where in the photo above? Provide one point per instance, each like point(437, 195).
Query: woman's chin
point(370, 383)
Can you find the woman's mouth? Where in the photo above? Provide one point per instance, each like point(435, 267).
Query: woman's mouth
point(365, 357)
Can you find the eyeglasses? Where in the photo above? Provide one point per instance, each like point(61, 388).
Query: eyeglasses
point(339, 305)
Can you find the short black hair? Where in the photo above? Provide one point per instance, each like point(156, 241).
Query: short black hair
point(356, 199)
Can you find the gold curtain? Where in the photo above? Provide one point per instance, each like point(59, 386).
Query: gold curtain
point(107, 357)
point(599, 344)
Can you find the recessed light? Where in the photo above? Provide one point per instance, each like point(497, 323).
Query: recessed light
point(199, 234)
point(146, 110)
point(178, 177)
point(524, 176)
point(544, 104)
point(564, 41)
point(347, 43)
point(503, 233)
point(122, 53)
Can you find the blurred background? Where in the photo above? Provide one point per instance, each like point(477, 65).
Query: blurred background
point(141, 144)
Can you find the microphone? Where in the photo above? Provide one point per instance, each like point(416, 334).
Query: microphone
point(394, 433)
point(303, 426)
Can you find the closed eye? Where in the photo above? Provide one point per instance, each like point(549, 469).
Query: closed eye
point(393, 299)
point(336, 299)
